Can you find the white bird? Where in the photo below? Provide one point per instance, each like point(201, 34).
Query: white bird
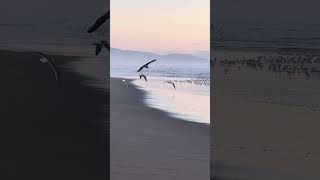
point(46, 59)
point(174, 86)
point(146, 65)
point(143, 76)
point(123, 80)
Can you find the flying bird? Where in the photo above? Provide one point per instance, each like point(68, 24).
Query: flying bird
point(100, 45)
point(146, 65)
point(99, 22)
point(174, 86)
point(106, 45)
point(123, 80)
point(46, 59)
point(143, 76)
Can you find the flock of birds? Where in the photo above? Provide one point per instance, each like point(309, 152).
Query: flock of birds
point(99, 46)
point(297, 64)
point(97, 24)
point(146, 66)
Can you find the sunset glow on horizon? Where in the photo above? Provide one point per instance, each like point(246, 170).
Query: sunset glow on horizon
point(167, 26)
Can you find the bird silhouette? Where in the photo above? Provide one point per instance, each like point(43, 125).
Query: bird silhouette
point(100, 45)
point(46, 59)
point(146, 65)
point(99, 22)
point(143, 76)
point(174, 86)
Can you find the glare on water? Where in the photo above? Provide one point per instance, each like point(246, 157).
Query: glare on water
point(188, 101)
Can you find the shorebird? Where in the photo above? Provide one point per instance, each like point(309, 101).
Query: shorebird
point(123, 80)
point(146, 65)
point(143, 76)
point(99, 22)
point(174, 86)
point(46, 59)
point(100, 45)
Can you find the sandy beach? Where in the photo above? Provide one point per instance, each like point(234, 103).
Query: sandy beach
point(264, 125)
point(50, 131)
point(148, 144)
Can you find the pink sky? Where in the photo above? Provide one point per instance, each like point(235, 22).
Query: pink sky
point(167, 26)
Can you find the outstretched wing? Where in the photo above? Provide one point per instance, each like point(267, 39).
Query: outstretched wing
point(98, 48)
point(151, 62)
point(140, 68)
point(99, 22)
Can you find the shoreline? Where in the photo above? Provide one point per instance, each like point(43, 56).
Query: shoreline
point(147, 143)
point(174, 114)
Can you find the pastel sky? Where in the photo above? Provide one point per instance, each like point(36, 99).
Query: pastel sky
point(164, 26)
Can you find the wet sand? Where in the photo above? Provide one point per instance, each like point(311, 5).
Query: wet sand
point(50, 132)
point(148, 144)
point(264, 126)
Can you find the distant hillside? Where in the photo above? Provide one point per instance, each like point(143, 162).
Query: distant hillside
point(119, 54)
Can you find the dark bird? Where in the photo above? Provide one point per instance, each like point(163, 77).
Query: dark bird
point(143, 76)
point(46, 59)
point(99, 22)
point(174, 86)
point(100, 45)
point(146, 65)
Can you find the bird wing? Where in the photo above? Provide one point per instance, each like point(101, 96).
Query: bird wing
point(98, 48)
point(52, 66)
point(146, 65)
point(99, 22)
point(45, 59)
point(145, 77)
point(140, 68)
point(150, 62)
point(172, 84)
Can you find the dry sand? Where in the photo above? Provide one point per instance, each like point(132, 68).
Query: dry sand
point(264, 126)
point(148, 144)
point(50, 132)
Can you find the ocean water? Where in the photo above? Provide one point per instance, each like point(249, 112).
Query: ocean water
point(267, 34)
point(187, 101)
point(191, 98)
